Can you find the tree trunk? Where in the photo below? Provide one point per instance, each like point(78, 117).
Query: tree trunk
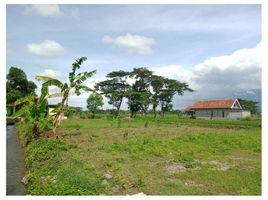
point(56, 119)
point(162, 111)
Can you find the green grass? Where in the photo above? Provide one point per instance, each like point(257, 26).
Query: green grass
point(217, 157)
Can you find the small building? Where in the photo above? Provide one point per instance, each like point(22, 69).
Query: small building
point(218, 109)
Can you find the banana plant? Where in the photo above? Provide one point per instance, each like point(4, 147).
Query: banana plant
point(75, 84)
point(34, 110)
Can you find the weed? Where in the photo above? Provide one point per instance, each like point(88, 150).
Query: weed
point(125, 135)
point(146, 124)
point(118, 123)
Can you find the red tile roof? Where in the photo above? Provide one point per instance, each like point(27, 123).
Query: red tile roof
point(205, 104)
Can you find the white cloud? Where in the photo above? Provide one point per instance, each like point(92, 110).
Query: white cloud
point(238, 71)
point(54, 74)
point(231, 76)
point(48, 48)
point(134, 43)
point(44, 10)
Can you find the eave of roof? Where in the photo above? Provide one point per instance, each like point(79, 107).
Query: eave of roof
point(212, 104)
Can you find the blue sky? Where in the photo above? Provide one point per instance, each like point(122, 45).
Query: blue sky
point(215, 48)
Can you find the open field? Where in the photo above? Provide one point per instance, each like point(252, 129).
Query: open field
point(170, 156)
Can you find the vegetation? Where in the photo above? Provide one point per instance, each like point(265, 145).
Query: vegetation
point(112, 154)
point(101, 156)
point(17, 86)
point(114, 88)
point(94, 101)
point(148, 89)
point(34, 111)
point(75, 83)
point(252, 106)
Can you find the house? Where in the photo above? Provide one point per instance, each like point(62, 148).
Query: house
point(218, 109)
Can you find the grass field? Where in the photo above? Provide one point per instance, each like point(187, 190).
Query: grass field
point(170, 156)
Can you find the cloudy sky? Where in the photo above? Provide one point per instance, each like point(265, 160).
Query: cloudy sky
point(215, 48)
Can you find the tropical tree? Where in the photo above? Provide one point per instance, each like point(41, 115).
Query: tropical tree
point(169, 89)
point(157, 83)
point(75, 84)
point(34, 110)
point(94, 101)
point(139, 96)
point(114, 88)
point(17, 86)
point(250, 105)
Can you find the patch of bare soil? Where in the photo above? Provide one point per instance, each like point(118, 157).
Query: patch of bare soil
point(240, 158)
point(192, 183)
point(245, 168)
point(175, 168)
point(220, 165)
point(49, 134)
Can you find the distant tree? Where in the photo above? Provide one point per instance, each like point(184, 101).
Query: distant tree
point(94, 102)
point(17, 85)
point(250, 105)
point(157, 83)
point(114, 88)
point(169, 89)
point(139, 96)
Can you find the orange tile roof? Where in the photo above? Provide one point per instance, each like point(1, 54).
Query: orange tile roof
point(205, 104)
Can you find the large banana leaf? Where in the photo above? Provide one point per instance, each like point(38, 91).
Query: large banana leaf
point(59, 94)
point(23, 100)
point(43, 78)
point(53, 82)
point(86, 89)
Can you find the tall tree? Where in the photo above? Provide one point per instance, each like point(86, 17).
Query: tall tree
point(157, 83)
point(250, 105)
point(94, 101)
point(75, 84)
point(17, 85)
point(139, 97)
point(169, 89)
point(114, 88)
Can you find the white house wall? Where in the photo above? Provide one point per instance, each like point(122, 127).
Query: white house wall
point(218, 114)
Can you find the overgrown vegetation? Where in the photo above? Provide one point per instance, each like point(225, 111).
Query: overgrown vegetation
point(154, 156)
point(112, 153)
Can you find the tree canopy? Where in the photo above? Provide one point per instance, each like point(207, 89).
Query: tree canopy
point(250, 105)
point(94, 102)
point(17, 85)
point(146, 89)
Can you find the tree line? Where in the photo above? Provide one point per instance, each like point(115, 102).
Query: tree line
point(147, 89)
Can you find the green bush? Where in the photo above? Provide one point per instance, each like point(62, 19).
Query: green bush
point(25, 132)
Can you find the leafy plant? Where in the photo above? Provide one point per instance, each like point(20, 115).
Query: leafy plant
point(34, 110)
point(75, 84)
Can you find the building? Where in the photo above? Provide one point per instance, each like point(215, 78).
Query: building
point(218, 109)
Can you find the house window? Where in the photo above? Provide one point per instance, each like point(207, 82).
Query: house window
point(211, 114)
